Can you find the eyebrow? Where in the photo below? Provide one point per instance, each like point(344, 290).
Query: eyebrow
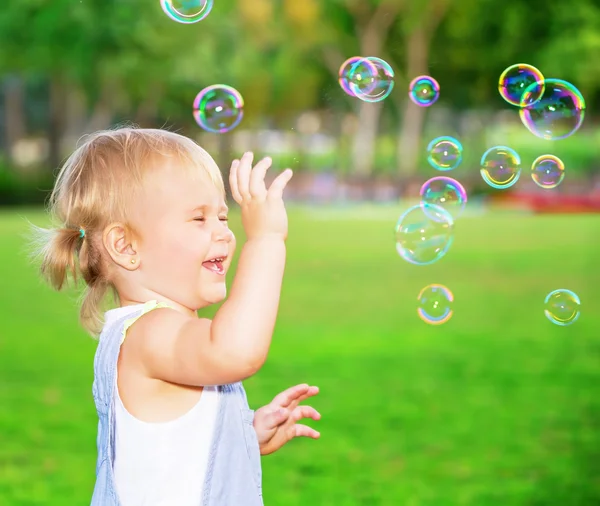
point(204, 207)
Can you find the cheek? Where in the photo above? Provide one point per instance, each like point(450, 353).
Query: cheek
point(188, 244)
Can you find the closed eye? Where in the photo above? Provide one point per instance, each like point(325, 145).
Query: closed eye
point(222, 218)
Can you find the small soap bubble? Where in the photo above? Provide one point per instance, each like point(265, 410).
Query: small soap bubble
point(562, 307)
point(516, 79)
point(557, 114)
point(187, 11)
point(548, 171)
point(435, 304)
point(424, 91)
point(446, 193)
point(500, 167)
point(444, 153)
point(344, 73)
point(371, 80)
point(218, 108)
point(424, 234)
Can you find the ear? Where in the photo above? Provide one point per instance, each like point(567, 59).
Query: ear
point(121, 245)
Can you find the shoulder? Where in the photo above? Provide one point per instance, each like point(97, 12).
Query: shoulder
point(161, 322)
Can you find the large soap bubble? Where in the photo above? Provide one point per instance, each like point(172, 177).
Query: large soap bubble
point(424, 234)
point(557, 114)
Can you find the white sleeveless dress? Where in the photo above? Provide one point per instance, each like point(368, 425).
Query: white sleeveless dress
point(161, 464)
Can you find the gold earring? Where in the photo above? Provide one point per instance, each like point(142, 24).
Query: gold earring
point(133, 260)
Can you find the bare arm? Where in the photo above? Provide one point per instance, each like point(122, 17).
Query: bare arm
point(246, 321)
point(235, 345)
point(174, 347)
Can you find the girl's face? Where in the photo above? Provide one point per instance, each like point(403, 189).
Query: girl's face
point(183, 224)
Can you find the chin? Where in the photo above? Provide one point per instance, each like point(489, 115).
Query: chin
point(215, 296)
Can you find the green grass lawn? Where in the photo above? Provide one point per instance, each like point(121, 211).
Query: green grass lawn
point(495, 407)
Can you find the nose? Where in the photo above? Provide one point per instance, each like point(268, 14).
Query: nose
point(221, 232)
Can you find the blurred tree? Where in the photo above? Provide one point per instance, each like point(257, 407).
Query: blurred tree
point(359, 28)
point(466, 45)
point(106, 60)
point(573, 44)
point(418, 28)
point(14, 109)
point(400, 32)
point(480, 38)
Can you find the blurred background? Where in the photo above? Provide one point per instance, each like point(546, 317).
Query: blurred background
point(71, 67)
point(497, 406)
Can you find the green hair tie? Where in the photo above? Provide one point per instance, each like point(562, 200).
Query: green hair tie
point(81, 233)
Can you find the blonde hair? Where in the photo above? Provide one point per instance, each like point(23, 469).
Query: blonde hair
point(94, 188)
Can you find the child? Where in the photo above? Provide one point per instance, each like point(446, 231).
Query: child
point(142, 213)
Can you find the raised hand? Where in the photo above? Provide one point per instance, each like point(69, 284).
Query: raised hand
point(263, 211)
point(275, 424)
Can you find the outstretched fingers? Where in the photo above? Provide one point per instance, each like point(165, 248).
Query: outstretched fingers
point(285, 398)
point(243, 175)
point(279, 184)
point(305, 412)
point(233, 181)
point(292, 396)
point(258, 188)
point(300, 430)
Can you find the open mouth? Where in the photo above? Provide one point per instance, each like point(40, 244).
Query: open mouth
point(215, 265)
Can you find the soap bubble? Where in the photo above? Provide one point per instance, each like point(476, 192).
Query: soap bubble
point(370, 79)
point(424, 234)
point(187, 11)
point(444, 153)
point(218, 108)
point(548, 171)
point(362, 77)
point(516, 79)
point(371, 82)
point(424, 91)
point(500, 167)
point(435, 304)
point(446, 193)
point(562, 307)
point(346, 67)
point(557, 114)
